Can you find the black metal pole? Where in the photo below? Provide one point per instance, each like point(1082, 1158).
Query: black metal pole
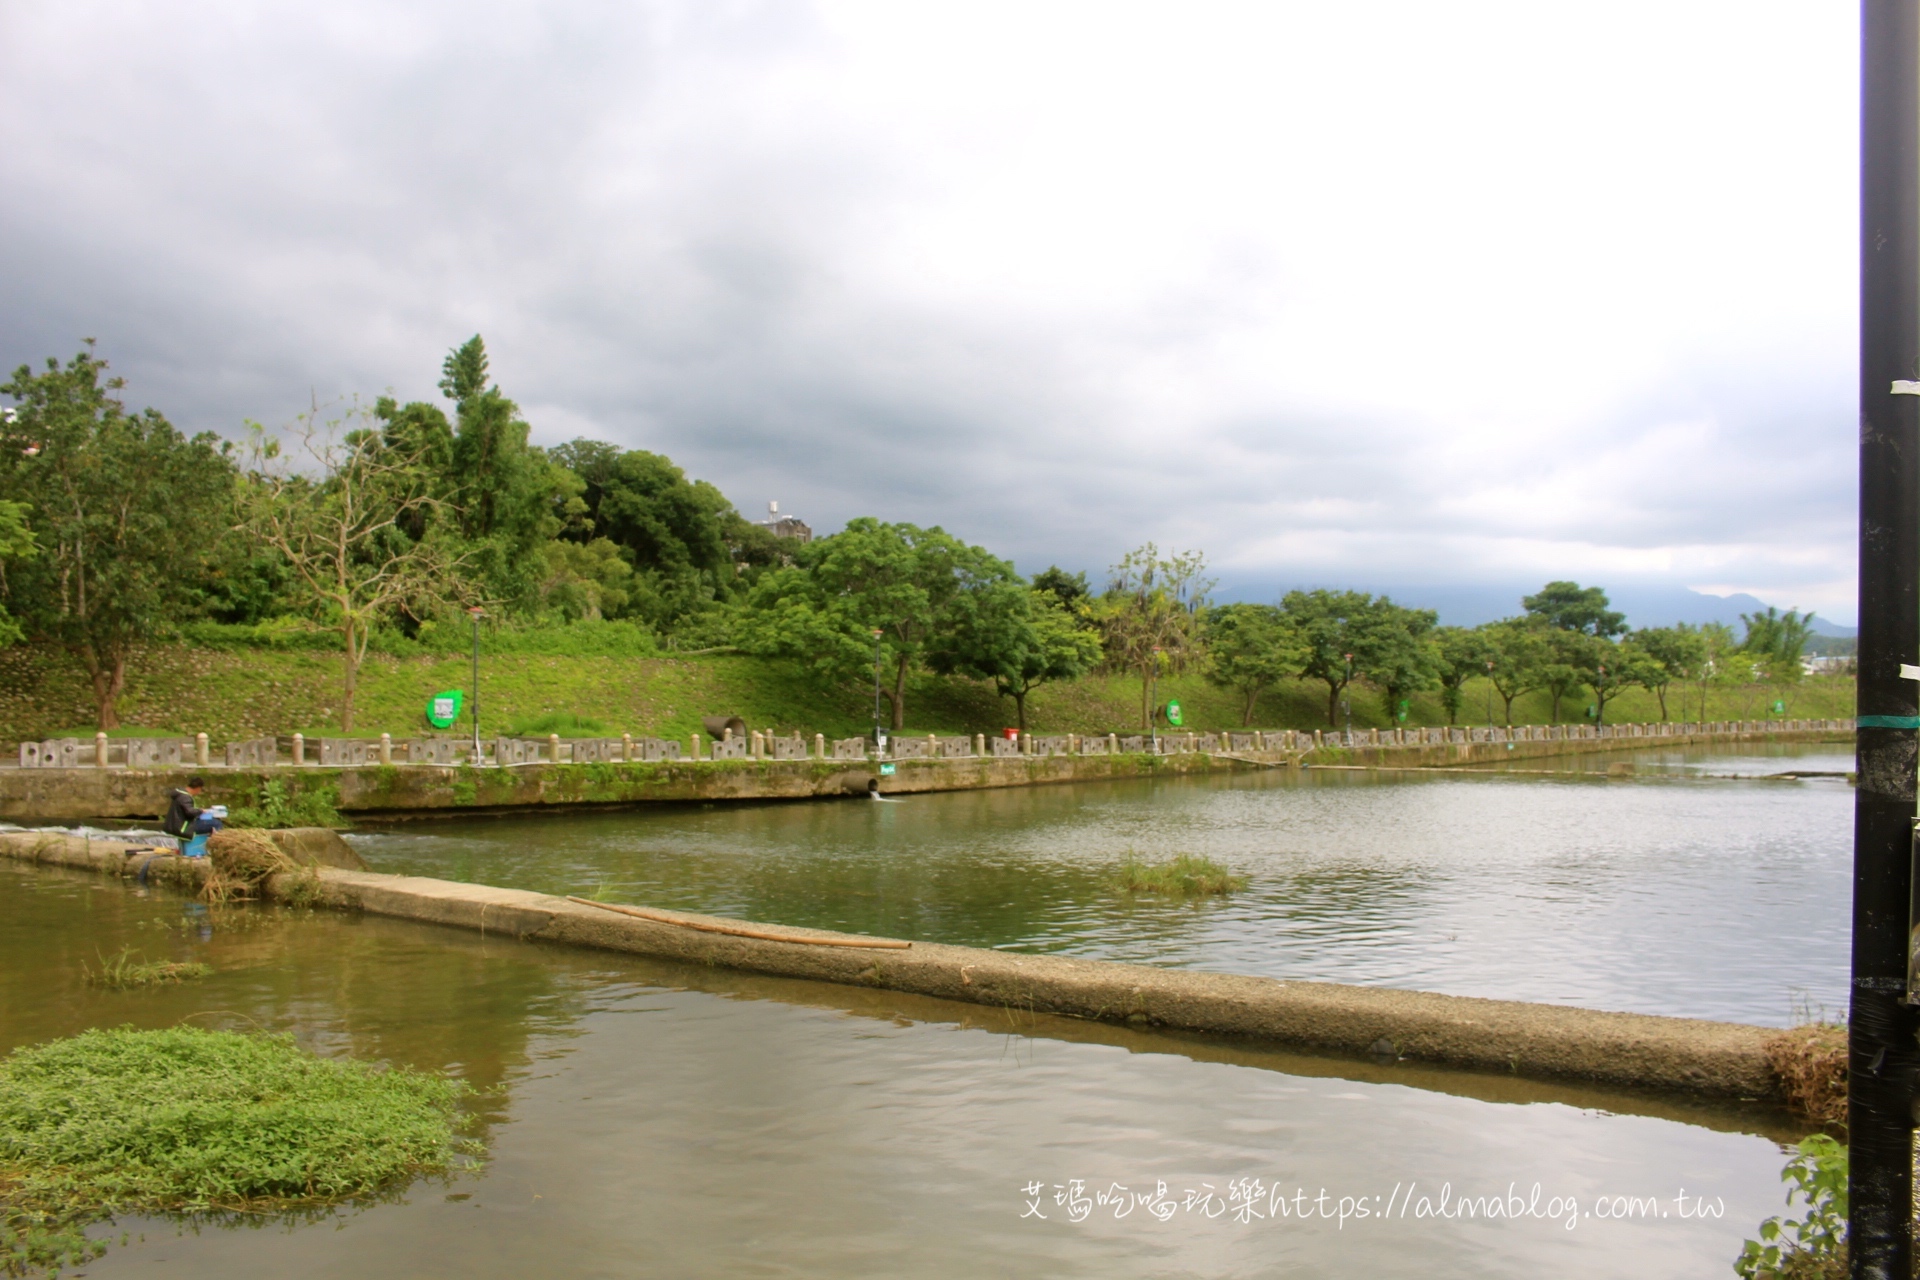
point(1883, 1054)
point(476, 685)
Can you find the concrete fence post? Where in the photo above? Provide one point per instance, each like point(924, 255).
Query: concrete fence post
point(299, 748)
point(933, 747)
point(1026, 744)
point(979, 744)
point(820, 745)
point(1113, 744)
point(100, 750)
point(202, 755)
point(693, 746)
point(553, 748)
point(626, 746)
point(726, 735)
point(386, 748)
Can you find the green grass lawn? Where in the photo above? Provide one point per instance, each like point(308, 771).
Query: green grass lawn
point(236, 692)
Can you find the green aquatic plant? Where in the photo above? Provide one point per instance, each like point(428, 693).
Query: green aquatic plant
point(123, 971)
point(190, 1121)
point(276, 806)
point(1813, 1247)
point(1185, 875)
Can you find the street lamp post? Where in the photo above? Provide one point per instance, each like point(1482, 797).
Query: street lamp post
point(1346, 700)
point(1153, 704)
point(1489, 693)
point(477, 612)
point(878, 741)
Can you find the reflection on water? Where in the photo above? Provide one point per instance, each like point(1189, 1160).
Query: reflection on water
point(667, 1120)
point(1671, 892)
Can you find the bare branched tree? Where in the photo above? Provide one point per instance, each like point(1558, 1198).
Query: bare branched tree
point(337, 500)
point(1150, 616)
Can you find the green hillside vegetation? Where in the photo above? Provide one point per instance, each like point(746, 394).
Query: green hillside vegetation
point(235, 694)
point(329, 576)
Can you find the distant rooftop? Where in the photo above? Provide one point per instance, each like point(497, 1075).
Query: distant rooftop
point(786, 526)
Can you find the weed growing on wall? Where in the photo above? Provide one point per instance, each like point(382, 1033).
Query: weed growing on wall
point(278, 806)
point(1813, 1247)
point(191, 1121)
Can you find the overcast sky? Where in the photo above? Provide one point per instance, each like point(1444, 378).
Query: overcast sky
point(1443, 294)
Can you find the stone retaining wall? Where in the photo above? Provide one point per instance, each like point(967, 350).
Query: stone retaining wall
point(48, 795)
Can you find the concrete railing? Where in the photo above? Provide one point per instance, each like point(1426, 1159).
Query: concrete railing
point(103, 752)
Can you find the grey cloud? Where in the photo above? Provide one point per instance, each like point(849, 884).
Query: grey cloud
point(249, 206)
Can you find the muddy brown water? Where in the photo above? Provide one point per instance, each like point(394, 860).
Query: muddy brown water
point(648, 1119)
point(1697, 888)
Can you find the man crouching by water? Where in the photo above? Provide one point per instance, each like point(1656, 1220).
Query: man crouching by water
point(181, 810)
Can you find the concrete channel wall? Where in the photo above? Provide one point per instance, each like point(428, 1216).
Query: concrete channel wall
point(1719, 1059)
point(57, 790)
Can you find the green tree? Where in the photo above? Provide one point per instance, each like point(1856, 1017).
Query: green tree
point(335, 515)
point(1726, 665)
point(1605, 667)
point(1019, 638)
point(1460, 655)
point(1250, 648)
point(585, 580)
point(1568, 606)
point(479, 481)
point(912, 586)
point(1775, 641)
point(16, 543)
point(1149, 617)
point(682, 537)
point(126, 512)
point(1669, 655)
point(1560, 671)
point(1519, 652)
point(1351, 633)
point(1070, 589)
point(1399, 654)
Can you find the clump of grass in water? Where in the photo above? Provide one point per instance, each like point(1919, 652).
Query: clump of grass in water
point(1185, 875)
point(123, 971)
point(191, 1121)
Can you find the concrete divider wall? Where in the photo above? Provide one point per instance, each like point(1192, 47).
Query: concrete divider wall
point(1548, 1041)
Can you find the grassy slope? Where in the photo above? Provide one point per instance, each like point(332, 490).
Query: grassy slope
point(237, 693)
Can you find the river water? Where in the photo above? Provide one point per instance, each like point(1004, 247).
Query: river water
point(659, 1120)
point(1699, 887)
point(651, 1119)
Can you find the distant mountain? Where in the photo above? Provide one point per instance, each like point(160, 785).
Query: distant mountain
point(1469, 606)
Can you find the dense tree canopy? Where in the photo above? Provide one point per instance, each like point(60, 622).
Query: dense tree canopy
point(1251, 648)
point(882, 598)
point(125, 510)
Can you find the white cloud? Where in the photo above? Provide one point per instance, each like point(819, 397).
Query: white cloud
point(1403, 293)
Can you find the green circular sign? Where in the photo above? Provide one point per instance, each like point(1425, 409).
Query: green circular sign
point(1173, 713)
point(443, 709)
